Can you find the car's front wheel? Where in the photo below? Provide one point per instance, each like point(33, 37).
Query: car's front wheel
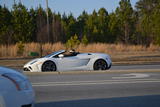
point(48, 66)
point(100, 64)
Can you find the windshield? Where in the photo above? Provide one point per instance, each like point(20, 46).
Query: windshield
point(54, 53)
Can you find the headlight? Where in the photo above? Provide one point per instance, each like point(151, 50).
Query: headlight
point(20, 82)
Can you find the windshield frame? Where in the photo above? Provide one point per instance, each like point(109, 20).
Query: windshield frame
point(54, 53)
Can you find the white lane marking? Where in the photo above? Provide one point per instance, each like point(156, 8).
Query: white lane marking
point(88, 81)
point(132, 75)
point(94, 82)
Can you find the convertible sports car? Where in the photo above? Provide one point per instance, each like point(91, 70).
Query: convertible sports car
point(63, 61)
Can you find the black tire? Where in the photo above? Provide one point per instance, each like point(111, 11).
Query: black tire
point(49, 66)
point(100, 64)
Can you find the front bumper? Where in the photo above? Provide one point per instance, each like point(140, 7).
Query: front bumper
point(32, 68)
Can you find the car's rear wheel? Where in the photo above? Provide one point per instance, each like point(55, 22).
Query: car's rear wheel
point(48, 66)
point(100, 64)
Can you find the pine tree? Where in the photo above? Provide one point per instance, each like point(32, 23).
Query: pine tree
point(73, 42)
point(84, 40)
point(146, 9)
point(5, 26)
point(125, 13)
point(22, 23)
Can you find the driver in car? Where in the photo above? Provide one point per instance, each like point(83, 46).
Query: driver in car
point(72, 52)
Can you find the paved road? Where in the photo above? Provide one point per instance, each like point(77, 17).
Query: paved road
point(122, 67)
point(97, 90)
point(134, 67)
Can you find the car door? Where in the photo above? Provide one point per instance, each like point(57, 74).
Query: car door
point(70, 63)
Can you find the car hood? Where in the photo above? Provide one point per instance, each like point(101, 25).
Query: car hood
point(33, 60)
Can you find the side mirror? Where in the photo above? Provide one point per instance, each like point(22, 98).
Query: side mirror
point(61, 56)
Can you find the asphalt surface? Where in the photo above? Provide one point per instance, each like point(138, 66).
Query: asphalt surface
point(117, 89)
point(135, 67)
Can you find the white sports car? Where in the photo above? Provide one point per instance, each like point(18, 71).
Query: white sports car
point(15, 89)
point(61, 61)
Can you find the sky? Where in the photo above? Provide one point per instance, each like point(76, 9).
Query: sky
point(76, 7)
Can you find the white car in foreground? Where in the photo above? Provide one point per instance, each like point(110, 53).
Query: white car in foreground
point(63, 61)
point(15, 89)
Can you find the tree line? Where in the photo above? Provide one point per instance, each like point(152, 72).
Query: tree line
point(127, 25)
